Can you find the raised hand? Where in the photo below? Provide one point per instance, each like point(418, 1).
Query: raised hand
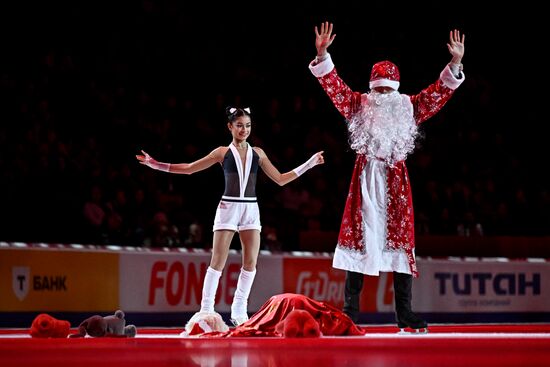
point(145, 159)
point(324, 38)
point(149, 161)
point(317, 158)
point(456, 46)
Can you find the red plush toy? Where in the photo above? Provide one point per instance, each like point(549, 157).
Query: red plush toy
point(298, 324)
point(46, 326)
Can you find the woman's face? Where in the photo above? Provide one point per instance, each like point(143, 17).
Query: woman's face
point(240, 128)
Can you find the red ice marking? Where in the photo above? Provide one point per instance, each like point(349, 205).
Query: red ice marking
point(445, 345)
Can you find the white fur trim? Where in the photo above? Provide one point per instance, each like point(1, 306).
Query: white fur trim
point(448, 78)
point(384, 83)
point(322, 68)
point(204, 326)
point(207, 321)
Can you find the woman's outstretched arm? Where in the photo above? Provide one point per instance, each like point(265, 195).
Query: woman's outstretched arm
point(182, 168)
point(283, 178)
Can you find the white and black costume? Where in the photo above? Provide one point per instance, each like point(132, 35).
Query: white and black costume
point(238, 209)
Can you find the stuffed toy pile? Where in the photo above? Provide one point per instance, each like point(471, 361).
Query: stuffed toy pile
point(108, 326)
point(272, 319)
point(47, 326)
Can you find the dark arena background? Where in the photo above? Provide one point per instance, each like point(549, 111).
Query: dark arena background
point(86, 230)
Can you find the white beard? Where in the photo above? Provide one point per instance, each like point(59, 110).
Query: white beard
point(384, 128)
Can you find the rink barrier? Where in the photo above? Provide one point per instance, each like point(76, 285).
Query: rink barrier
point(163, 286)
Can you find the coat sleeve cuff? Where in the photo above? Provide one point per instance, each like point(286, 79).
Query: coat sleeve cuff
point(322, 68)
point(449, 79)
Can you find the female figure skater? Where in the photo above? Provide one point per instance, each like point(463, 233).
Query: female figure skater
point(238, 209)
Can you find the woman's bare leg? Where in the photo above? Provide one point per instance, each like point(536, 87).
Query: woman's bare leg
point(220, 248)
point(250, 242)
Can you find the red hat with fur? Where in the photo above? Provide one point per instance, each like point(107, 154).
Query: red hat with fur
point(384, 74)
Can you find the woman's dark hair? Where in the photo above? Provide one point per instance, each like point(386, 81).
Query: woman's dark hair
point(237, 112)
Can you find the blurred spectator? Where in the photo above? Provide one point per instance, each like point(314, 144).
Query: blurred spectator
point(114, 222)
point(138, 212)
point(162, 233)
point(270, 242)
point(94, 216)
point(194, 237)
point(469, 227)
point(443, 224)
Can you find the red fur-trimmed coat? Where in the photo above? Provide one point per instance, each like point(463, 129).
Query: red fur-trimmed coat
point(351, 247)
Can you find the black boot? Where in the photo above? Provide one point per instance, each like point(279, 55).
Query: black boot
point(402, 286)
point(354, 285)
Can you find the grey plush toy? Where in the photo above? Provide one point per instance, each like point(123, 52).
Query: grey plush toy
point(108, 326)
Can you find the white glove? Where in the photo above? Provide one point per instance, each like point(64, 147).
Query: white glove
point(315, 159)
point(149, 161)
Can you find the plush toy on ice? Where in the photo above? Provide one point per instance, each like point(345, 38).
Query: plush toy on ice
point(204, 322)
point(108, 326)
point(47, 326)
point(298, 324)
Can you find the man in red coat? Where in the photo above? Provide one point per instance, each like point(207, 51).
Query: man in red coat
point(377, 230)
